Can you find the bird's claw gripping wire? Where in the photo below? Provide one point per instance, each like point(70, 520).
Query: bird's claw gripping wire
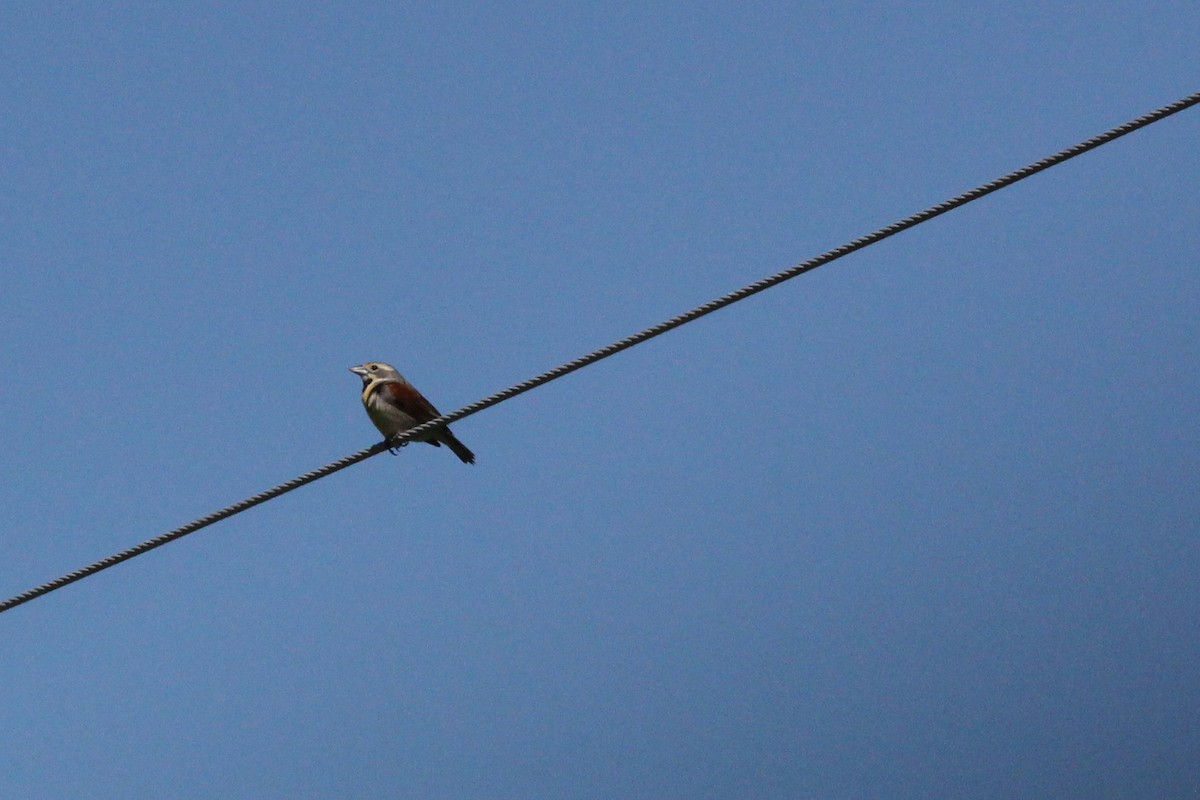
point(394, 449)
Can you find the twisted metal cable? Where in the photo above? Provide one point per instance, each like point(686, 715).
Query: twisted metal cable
point(813, 263)
point(614, 348)
point(192, 527)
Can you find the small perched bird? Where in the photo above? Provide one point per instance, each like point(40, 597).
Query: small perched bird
point(394, 405)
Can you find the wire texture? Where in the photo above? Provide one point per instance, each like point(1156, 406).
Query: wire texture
point(614, 348)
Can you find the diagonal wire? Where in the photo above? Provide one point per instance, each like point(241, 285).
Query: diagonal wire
point(614, 348)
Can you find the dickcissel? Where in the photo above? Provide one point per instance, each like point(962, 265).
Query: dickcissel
point(395, 405)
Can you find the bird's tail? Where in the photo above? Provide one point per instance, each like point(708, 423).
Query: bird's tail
point(458, 448)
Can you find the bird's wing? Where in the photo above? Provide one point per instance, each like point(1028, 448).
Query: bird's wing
point(406, 398)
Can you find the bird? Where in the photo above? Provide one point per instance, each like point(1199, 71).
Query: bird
point(395, 405)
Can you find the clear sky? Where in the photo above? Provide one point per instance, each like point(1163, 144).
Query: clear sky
point(923, 523)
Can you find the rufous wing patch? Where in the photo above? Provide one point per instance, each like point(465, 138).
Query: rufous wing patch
point(410, 401)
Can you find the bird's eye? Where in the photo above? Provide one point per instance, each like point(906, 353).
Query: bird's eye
point(374, 367)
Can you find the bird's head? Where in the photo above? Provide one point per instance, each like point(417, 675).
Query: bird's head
point(375, 370)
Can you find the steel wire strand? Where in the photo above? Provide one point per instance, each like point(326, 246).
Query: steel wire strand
point(812, 263)
point(614, 348)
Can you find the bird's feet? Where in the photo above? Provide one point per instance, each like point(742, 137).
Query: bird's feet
point(395, 448)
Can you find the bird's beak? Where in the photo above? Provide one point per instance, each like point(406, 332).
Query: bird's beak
point(359, 370)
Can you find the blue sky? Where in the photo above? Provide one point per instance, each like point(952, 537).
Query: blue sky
point(921, 523)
